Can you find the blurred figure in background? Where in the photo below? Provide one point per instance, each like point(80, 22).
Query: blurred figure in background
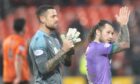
point(134, 24)
point(16, 69)
point(79, 48)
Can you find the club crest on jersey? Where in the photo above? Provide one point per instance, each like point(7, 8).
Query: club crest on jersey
point(106, 45)
point(38, 52)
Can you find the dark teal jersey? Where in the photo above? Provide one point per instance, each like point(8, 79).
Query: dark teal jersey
point(42, 48)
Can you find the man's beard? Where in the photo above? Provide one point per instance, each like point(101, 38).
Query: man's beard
point(101, 39)
point(51, 28)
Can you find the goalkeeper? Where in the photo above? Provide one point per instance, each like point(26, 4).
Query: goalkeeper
point(45, 49)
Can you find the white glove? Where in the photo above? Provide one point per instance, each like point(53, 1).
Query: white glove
point(72, 34)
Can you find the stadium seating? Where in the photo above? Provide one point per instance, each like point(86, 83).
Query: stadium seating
point(87, 15)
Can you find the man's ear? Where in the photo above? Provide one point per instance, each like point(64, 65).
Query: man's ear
point(42, 19)
point(98, 32)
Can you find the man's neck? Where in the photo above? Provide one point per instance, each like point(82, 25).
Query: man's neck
point(19, 34)
point(44, 29)
point(96, 40)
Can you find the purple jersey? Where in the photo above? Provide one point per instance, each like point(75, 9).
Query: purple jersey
point(98, 64)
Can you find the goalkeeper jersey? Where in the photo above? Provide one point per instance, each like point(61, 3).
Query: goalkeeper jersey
point(42, 48)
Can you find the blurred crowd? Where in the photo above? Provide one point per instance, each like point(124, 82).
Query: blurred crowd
point(83, 15)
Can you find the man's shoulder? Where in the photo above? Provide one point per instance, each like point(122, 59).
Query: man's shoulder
point(7, 41)
point(38, 36)
point(38, 39)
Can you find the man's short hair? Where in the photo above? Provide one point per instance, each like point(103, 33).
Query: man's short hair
point(42, 9)
point(19, 25)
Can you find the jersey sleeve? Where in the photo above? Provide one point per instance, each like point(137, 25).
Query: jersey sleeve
point(40, 54)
